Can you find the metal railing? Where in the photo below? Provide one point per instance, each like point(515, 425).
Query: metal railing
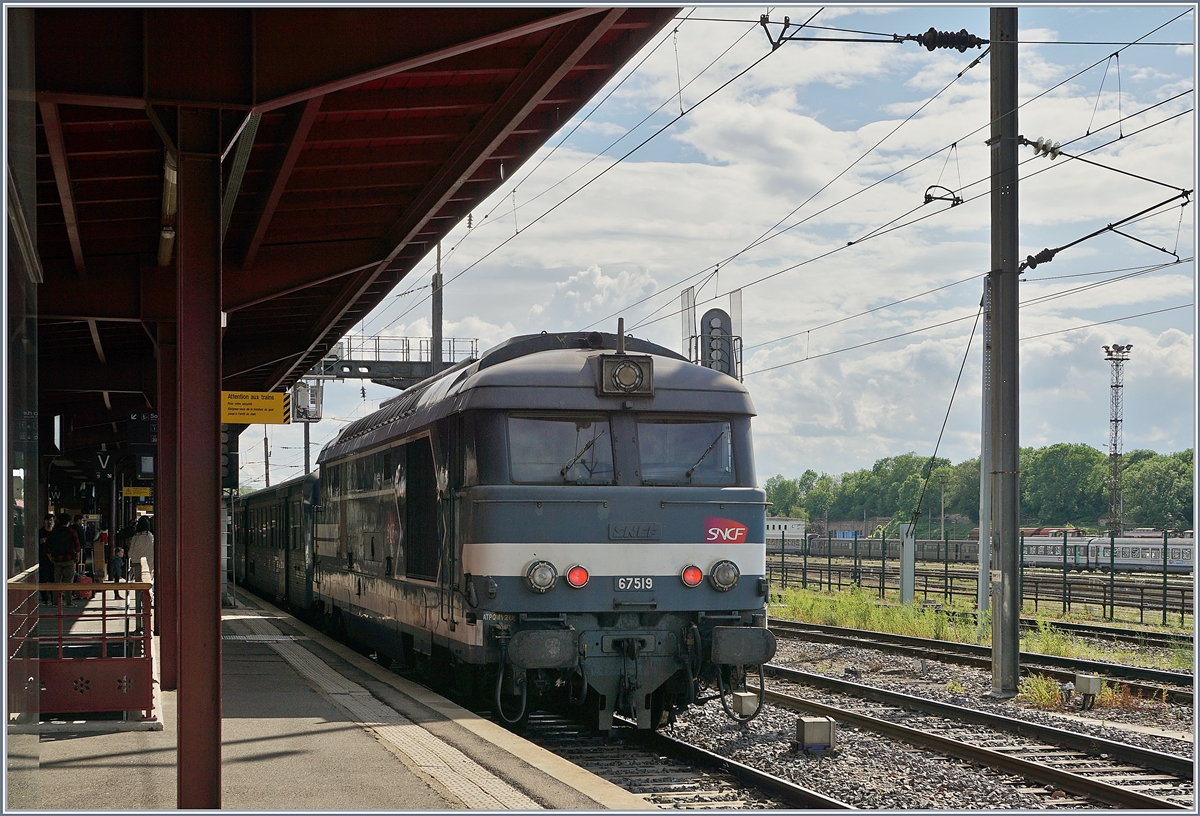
point(92, 658)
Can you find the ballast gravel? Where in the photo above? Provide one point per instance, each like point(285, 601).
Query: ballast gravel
point(969, 687)
point(866, 770)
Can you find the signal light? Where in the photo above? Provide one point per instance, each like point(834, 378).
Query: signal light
point(577, 576)
point(691, 576)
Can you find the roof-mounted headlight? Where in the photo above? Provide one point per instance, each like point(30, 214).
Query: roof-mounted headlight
point(624, 375)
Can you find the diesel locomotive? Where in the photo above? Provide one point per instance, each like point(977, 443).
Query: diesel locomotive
point(570, 518)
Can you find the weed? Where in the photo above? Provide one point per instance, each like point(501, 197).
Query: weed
point(955, 687)
point(1042, 692)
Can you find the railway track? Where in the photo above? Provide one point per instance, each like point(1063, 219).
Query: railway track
point(1097, 770)
point(1177, 686)
point(670, 773)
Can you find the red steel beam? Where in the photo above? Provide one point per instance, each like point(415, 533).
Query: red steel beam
point(443, 98)
point(52, 126)
point(281, 172)
point(277, 47)
point(199, 477)
point(566, 46)
point(117, 290)
point(166, 510)
point(286, 269)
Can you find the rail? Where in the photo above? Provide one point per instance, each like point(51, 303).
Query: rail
point(75, 660)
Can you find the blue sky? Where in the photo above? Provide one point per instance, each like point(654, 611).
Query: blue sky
point(842, 140)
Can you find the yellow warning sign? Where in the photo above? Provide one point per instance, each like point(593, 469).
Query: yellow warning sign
point(256, 407)
point(145, 508)
point(135, 492)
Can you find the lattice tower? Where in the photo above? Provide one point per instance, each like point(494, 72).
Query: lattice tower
point(1117, 355)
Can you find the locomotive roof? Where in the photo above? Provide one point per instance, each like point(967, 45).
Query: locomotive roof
point(543, 372)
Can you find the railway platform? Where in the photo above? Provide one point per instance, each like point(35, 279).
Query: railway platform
point(308, 724)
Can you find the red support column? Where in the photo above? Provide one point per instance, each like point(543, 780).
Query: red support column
point(199, 445)
point(166, 499)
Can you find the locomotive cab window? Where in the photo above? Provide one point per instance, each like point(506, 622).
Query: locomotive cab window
point(676, 451)
point(563, 449)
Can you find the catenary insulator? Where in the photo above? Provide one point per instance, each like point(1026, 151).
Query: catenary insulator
point(961, 40)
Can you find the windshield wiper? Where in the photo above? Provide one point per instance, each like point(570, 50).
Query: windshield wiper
point(567, 467)
point(692, 469)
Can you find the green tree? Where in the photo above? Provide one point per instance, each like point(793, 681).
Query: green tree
point(820, 498)
point(962, 490)
point(1158, 492)
point(1063, 483)
point(784, 495)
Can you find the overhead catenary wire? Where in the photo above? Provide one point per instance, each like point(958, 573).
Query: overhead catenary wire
point(603, 152)
point(599, 175)
point(769, 236)
point(1031, 302)
point(953, 393)
point(891, 226)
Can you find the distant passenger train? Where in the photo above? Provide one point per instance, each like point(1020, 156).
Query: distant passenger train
point(571, 517)
point(1133, 553)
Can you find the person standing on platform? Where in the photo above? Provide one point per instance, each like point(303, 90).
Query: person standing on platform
point(116, 568)
point(141, 546)
point(64, 551)
point(45, 564)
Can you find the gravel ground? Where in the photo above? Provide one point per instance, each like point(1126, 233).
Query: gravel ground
point(867, 770)
point(969, 687)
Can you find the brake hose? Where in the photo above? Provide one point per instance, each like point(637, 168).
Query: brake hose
point(762, 690)
point(500, 684)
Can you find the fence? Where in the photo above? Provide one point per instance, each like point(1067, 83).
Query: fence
point(96, 658)
point(849, 563)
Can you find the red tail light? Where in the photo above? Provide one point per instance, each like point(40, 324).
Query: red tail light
point(692, 576)
point(577, 576)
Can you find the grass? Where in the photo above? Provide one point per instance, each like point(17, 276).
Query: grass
point(858, 608)
point(1041, 692)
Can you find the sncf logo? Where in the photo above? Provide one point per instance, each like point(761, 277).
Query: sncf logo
point(723, 530)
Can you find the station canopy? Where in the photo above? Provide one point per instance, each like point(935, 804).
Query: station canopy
point(352, 141)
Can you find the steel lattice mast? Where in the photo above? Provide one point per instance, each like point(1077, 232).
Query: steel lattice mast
point(1117, 355)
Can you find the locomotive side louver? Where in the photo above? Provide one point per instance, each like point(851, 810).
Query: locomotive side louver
point(624, 375)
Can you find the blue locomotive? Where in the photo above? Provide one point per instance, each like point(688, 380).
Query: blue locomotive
point(571, 517)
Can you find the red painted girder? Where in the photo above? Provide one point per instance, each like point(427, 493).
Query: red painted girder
point(117, 289)
point(52, 128)
point(440, 98)
point(395, 131)
point(281, 270)
point(429, 153)
point(498, 64)
point(355, 198)
point(93, 191)
point(319, 221)
point(560, 53)
point(307, 52)
point(114, 168)
point(113, 143)
point(126, 373)
point(355, 178)
point(281, 170)
point(242, 357)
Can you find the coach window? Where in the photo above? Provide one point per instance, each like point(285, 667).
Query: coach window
point(685, 451)
point(560, 450)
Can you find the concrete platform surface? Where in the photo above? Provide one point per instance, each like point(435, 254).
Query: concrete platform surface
point(309, 724)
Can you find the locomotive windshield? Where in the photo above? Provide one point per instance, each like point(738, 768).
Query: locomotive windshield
point(560, 450)
point(685, 452)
